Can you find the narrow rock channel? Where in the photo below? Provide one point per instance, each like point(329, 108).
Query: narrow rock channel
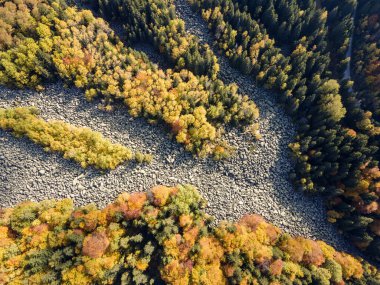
point(347, 71)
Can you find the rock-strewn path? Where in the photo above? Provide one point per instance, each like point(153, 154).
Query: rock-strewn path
point(253, 181)
point(347, 71)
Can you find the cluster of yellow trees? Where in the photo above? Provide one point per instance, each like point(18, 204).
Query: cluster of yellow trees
point(87, 147)
point(161, 237)
point(49, 39)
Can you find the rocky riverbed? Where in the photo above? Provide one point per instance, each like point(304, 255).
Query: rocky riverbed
point(255, 180)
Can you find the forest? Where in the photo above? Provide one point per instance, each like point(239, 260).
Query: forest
point(161, 236)
point(336, 150)
point(39, 44)
point(320, 60)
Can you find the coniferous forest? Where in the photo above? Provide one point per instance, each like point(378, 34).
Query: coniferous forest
point(271, 108)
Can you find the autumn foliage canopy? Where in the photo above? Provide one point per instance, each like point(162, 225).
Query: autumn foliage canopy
point(161, 236)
